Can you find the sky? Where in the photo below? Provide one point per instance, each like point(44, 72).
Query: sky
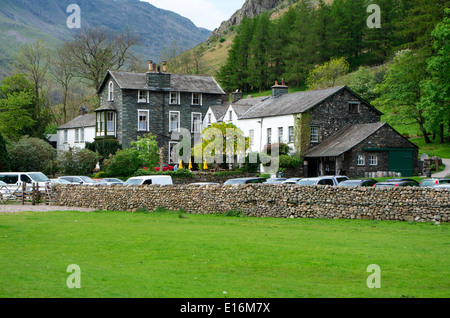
point(207, 14)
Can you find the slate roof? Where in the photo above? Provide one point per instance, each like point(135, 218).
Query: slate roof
point(108, 106)
point(220, 111)
point(287, 104)
point(88, 120)
point(178, 82)
point(344, 140)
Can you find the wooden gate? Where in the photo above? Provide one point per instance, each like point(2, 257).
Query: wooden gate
point(26, 194)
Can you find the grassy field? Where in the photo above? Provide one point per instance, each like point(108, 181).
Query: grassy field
point(173, 255)
point(433, 149)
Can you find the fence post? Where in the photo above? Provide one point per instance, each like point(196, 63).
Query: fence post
point(24, 187)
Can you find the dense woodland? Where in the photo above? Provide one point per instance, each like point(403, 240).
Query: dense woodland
point(402, 66)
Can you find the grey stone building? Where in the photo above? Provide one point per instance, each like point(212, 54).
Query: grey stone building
point(156, 102)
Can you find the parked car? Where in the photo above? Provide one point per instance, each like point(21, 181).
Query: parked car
point(275, 180)
point(433, 182)
point(16, 179)
point(60, 181)
point(291, 181)
point(358, 183)
point(323, 180)
point(412, 181)
point(112, 181)
point(393, 184)
point(82, 180)
point(204, 184)
point(147, 180)
point(166, 167)
point(442, 186)
point(245, 181)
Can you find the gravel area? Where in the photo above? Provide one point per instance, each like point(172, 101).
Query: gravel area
point(12, 208)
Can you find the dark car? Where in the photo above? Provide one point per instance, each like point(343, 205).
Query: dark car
point(358, 183)
point(403, 180)
point(393, 184)
point(433, 182)
point(245, 181)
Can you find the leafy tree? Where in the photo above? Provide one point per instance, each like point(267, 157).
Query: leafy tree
point(124, 163)
point(402, 89)
point(105, 147)
point(76, 161)
point(326, 75)
point(15, 118)
point(436, 98)
point(32, 155)
point(4, 156)
point(148, 150)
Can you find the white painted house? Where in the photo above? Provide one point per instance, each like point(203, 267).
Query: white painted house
point(77, 132)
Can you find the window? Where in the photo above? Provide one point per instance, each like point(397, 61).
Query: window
point(251, 136)
point(143, 123)
point(353, 108)
point(269, 136)
point(196, 122)
point(174, 98)
point(82, 135)
point(111, 92)
point(172, 155)
point(291, 134)
point(314, 134)
point(196, 99)
point(209, 119)
point(373, 160)
point(66, 136)
point(230, 114)
point(361, 160)
point(174, 121)
point(280, 135)
point(77, 135)
point(110, 123)
point(142, 96)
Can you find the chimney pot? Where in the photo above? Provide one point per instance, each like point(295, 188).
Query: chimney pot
point(150, 66)
point(164, 67)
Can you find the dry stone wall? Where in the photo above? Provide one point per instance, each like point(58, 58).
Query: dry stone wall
point(262, 200)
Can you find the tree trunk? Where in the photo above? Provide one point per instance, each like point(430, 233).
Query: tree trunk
point(425, 134)
point(441, 133)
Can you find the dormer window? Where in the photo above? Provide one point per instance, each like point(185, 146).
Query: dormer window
point(142, 96)
point(111, 91)
point(174, 98)
point(196, 99)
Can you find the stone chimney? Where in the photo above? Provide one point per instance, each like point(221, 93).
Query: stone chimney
point(156, 79)
point(278, 90)
point(236, 96)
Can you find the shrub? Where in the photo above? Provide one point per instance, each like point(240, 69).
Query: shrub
point(289, 161)
point(32, 154)
point(76, 161)
point(105, 147)
point(123, 164)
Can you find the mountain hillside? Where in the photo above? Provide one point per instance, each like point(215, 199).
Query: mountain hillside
point(45, 20)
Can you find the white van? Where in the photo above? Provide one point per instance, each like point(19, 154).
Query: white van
point(147, 180)
point(16, 179)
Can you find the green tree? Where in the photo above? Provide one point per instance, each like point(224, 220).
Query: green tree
point(15, 118)
point(402, 89)
point(32, 155)
point(436, 97)
point(4, 156)
point(326, 75)
point(147, 148)
point(124, 163)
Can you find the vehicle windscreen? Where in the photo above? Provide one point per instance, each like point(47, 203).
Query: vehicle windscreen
point(88, 180)
point(39, 177)
point(234, 182)
point(306, 182)
point(385, 185)
point(428, 183)
point(350, 183)
point(444, 181)
point(340, 179)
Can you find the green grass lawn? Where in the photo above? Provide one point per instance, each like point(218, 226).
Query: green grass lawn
point(163, 255)
point(433, 149)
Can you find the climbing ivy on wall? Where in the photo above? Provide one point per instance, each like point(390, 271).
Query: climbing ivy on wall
point(302, 133)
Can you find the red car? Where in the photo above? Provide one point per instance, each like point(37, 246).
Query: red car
point(166, 167)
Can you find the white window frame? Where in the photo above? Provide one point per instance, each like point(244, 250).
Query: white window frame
point(230, 115)
point(315, 138)
point(171, 157)
point(251, 136)
point(291, 134)
point(373, 160)
point(82, 135)
point(280, 134)
point(177, 98)
point(147, 112)
point(200, 99)
point(170, 121)
point(199, 123)
point(209, 119)
point(142, 100)
point(66, 136)
point(269, 136)
point(110, 91)
point(77, 135)
point(361, 161)
point(112, 131)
